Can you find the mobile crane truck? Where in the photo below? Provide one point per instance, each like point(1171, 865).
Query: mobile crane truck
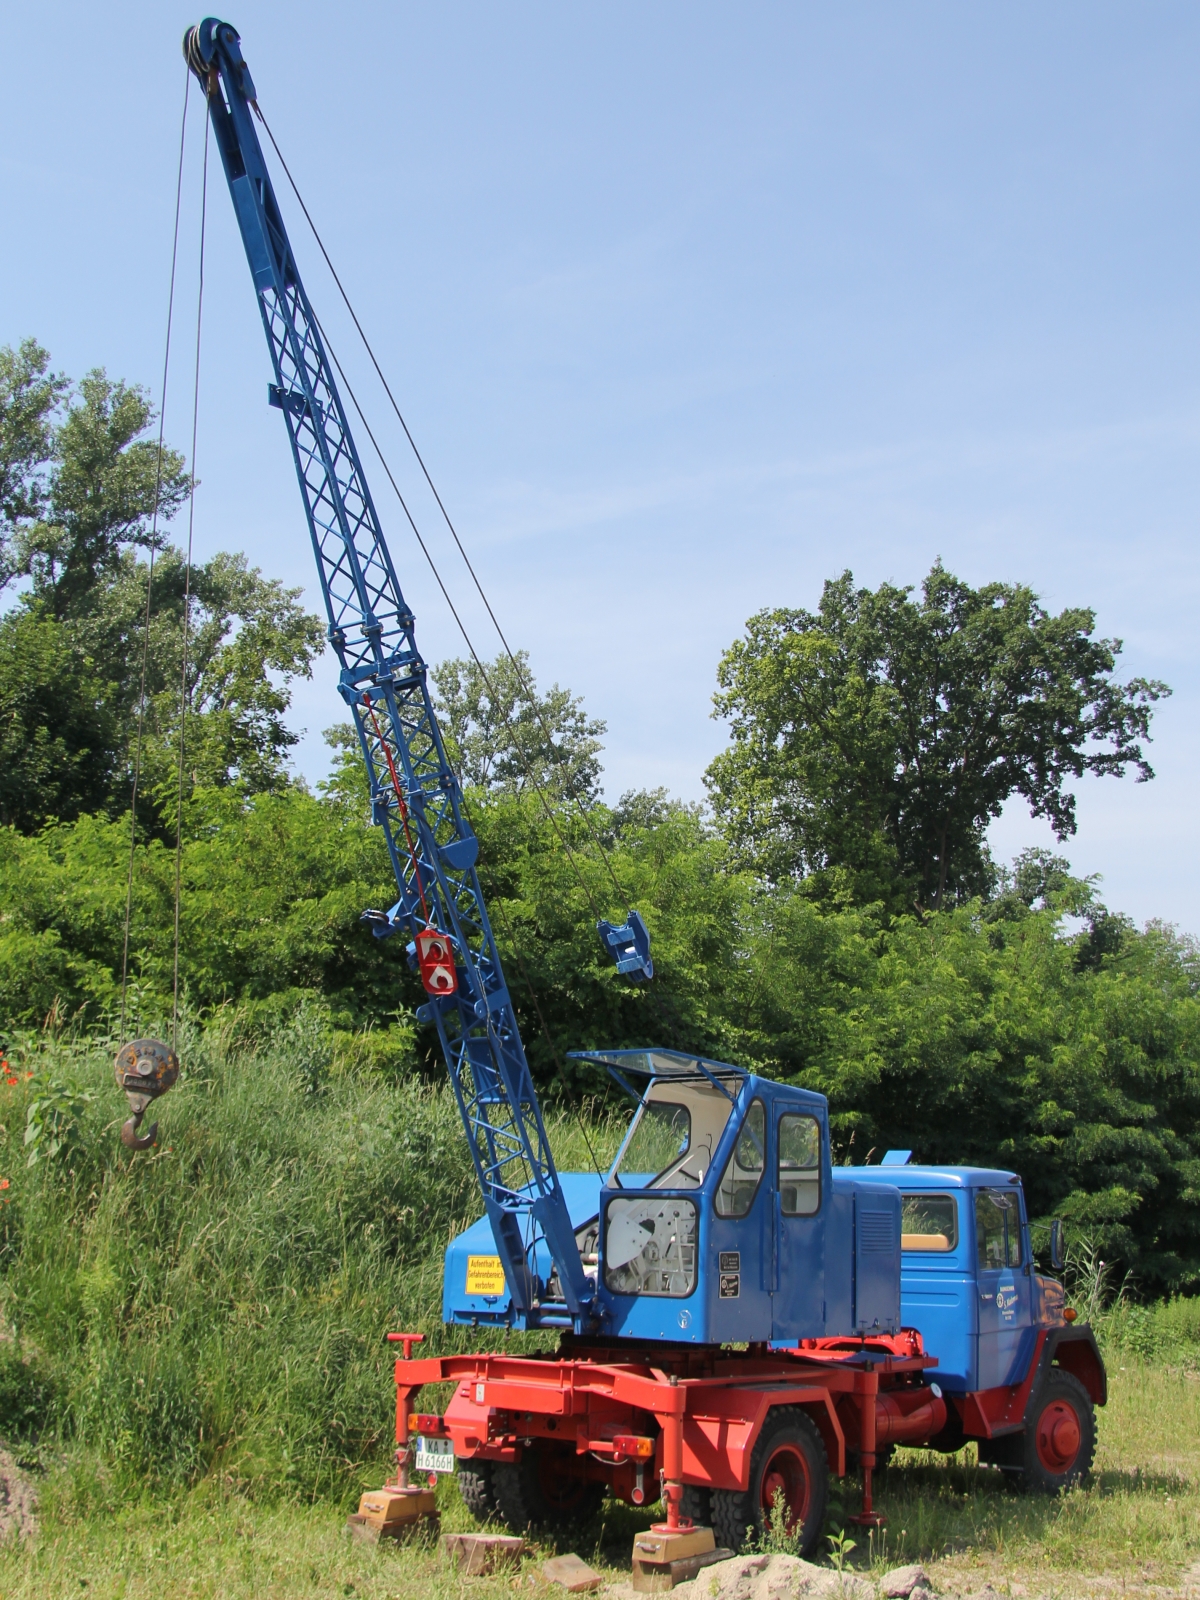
point(737, 1318)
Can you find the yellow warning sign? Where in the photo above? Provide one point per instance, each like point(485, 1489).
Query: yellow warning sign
point(485, 1275)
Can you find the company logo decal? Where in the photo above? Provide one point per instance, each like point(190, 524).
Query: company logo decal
point(1006, 1302)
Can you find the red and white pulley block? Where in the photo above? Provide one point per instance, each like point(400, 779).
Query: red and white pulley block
point(435, 960)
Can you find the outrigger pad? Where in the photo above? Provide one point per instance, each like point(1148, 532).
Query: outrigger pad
point(629, 946)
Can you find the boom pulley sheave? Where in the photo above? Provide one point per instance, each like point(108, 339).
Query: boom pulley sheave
point(415, 795)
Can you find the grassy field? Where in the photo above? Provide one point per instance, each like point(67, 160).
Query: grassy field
point(1136, 1526)
point(192, 1368)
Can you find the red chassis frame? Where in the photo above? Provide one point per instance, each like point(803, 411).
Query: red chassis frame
point(690, 1416)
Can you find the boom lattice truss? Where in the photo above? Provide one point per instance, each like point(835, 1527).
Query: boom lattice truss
point(415, 795)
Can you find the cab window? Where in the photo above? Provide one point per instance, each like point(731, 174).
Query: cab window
point(799, 1180)
point(744, 1169)
point(660, 1135)
point(998, 1228)
point(929, 1222)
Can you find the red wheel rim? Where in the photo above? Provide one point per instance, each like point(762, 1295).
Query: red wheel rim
point(786, 1473)
point(1058, 1437)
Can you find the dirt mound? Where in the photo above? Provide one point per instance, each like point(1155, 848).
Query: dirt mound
point(777, 1577)
point(18, 1500)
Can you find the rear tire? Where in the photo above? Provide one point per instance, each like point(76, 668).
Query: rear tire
point(543, 1491)
point(1059, 1442)
point(789, 1459)
point(696, 1505)
point(477, 1489)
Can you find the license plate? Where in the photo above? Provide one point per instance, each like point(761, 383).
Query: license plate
point(435, 1455)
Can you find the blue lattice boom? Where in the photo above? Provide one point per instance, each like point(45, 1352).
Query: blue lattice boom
point(415, 795)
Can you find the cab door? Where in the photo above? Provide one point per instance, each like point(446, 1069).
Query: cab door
point(739, 1237)
point(1004, 1287)
point(798, 1257)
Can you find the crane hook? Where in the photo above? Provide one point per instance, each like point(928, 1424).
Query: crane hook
point(145, 1069)
point(129, 1132)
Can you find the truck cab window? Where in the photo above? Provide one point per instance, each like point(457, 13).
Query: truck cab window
point(799, 1177)
point(744, 1169)
point(929, 1222)
point(998, 1228)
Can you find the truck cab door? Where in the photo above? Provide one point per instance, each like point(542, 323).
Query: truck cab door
point(798, 1255)
point(1004, 1286)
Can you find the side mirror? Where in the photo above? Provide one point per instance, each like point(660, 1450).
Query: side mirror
point(1058, 1254)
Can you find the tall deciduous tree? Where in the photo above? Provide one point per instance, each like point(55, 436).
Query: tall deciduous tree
point(81, 478)
point(504, 734)
point(105, 480)
point(874, 741)
point(30, 394)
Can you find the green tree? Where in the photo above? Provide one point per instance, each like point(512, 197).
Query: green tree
point(874, 741)
point(503, 734)
point(248, 639)
point(80, 483)
point(58, 723)
point(104, 482)
point(29, 397)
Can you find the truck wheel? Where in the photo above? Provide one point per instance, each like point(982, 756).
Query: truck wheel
point(478, 1492)
point(788, 1460)
point(696, 1505)
point(543, 1491)
point(1059, 1441)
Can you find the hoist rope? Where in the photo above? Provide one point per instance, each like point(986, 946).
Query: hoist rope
point(402, 806)
point(521, 679)
point(462, 628)
point(162, 417)
point(187, 601)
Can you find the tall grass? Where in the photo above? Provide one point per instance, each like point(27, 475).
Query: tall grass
point(215, 1308)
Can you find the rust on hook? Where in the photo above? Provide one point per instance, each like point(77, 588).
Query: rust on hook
point(129, 1132)
point(145, 1069)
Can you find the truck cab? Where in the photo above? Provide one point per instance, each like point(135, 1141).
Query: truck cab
point(1021, 1375)
point(967, 1278)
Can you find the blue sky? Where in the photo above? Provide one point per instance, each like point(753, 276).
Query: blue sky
point(689, 307)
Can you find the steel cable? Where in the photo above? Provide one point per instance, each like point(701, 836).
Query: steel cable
point(462, 628)
point(162, 416)
point(573, 795)
point(187, 602)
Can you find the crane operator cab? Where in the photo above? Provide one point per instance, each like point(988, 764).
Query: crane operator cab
point(717, 1221)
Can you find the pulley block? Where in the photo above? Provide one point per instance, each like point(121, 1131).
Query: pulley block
point(435, 961)
point(145, 1069)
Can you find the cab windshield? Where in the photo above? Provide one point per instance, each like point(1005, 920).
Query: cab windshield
point(672, 1137)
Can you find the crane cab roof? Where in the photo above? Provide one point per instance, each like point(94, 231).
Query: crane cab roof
point(679, 1066)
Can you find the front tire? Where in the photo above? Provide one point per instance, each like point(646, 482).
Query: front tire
point(789, 1461)
point(543, 1491)
point(1059, 1442)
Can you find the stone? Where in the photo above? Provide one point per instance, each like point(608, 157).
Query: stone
point(901, 1582)
point(575, 1576)
point(477, 1554)
point(774, 1577)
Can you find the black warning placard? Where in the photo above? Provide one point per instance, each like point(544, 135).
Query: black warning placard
point(731, 1285)
point(729, 1260)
